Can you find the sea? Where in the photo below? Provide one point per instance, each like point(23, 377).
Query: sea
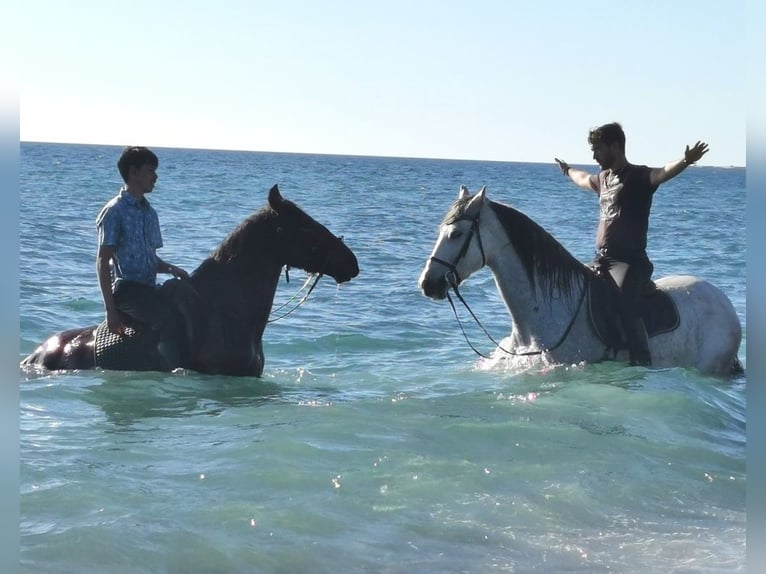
point(376, 441)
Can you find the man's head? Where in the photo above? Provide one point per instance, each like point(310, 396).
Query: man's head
point(138, 167)
point(607, 143)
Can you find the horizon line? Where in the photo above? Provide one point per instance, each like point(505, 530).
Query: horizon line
point(332, 154)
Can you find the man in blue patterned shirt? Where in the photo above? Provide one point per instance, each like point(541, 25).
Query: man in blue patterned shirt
point(128, 237)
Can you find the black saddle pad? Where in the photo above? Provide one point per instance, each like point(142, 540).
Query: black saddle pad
point(658, 311)
point(136, 350)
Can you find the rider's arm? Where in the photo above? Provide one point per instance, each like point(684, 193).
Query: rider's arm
point(103, 270)
point(671, 169)
point(579, 177)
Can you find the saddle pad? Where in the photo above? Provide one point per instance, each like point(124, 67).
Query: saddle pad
point(134, 351)
point(659, 312)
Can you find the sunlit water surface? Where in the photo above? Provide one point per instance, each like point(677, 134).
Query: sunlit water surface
point(375, 441)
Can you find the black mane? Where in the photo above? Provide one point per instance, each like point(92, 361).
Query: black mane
point(254, 233)
point(247, 236)
point(541, 254)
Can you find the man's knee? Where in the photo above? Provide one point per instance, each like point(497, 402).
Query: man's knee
point(142, 303)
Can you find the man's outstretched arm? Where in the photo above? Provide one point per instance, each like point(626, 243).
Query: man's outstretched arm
point(692, 155)
point(579, 177)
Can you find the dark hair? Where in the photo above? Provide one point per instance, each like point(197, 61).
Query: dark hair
point(607, 134)
point(135, 156)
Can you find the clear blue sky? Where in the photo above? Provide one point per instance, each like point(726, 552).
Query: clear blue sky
point(481, 79)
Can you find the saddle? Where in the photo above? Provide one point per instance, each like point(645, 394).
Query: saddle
point(137, 349)
point(658, 310)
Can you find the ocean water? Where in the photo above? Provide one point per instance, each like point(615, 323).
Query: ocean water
point(375, 441)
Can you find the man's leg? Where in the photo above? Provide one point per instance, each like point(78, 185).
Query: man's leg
point(141, 303)
point(635, 332)
point(144, 304)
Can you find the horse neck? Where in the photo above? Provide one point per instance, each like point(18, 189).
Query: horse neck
point(244, 295)
point(540, 306)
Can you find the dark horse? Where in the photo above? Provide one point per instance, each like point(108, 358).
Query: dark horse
point(221, 311)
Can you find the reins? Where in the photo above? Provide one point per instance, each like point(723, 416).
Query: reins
point(316, 277)
point(453, 278)
point(561, 340)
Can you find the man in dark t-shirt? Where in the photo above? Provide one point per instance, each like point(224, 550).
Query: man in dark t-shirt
point(625, 194)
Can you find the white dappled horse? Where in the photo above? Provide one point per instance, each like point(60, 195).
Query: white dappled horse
point(553, 298)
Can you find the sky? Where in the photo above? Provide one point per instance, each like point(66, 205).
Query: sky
point(499, 80)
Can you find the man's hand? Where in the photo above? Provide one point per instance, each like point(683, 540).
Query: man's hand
point(176, 271)
point(694, 154)
point(180, 273)
point(563, 165)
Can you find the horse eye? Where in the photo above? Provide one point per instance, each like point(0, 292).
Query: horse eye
point(454, 233)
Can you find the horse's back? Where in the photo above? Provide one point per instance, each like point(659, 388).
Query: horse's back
point(690, 289)
point(708, 322)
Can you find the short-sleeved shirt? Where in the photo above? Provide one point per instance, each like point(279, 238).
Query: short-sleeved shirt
point(625, 200)
point(133, 229)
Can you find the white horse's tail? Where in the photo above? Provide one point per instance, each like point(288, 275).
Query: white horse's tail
point(736, 368)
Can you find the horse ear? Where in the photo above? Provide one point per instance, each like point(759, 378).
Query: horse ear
point(463, 192)
point(275, 198)
point(476, 202)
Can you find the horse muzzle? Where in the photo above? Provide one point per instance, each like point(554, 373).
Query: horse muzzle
point(435, 284)
point(347, 273)
point(434, 289)
point(341, 264)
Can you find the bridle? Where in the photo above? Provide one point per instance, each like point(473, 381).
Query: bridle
point(314, 276)
point(453, 279)
point(463, 250)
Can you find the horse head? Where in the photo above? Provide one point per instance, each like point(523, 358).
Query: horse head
point(305, 243)
point(459, 250)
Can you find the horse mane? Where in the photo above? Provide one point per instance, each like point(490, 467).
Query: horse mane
point(254, 235)
point(246, 237)
point(541, 255)
point(249, 235)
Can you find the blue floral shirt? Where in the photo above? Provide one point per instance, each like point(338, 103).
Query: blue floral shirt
point(133, 229)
